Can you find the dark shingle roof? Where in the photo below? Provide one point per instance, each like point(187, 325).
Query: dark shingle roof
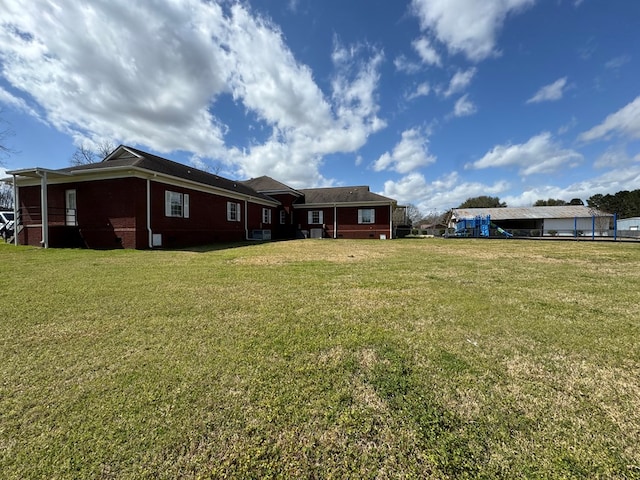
point(154, 163)
point(356, 194)
point(269, 185)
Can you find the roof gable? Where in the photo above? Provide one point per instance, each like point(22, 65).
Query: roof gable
point(125, 156)
point(269, 185)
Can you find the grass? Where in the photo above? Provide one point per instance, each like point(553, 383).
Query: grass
point(322, 359)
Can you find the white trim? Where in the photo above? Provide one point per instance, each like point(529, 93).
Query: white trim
point(71, 194)
point(149, 213)
point(310, 217)
point(238, 212)
point(266, 216)
point(361, 216)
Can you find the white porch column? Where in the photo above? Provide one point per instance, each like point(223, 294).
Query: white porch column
point(16, 210)
point(44, 207)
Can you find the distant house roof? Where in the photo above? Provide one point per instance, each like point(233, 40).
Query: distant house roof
point(331, 195)
point(529, 213)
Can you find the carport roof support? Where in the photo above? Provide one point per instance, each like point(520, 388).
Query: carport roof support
point(42, 174)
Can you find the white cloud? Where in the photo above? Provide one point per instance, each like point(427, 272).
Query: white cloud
point(464, 107)
point(440, 195)
point(625, 122)
point(410, 153)
point(540, 154)
point(618, 62)
point(426, 51)
point(568, 126)
point(404, 65)
point(550, 92)
point(610, 182)
point(421, 90)
point(460, 81)
point(17, 103)
point(93, 70)
point(615, 157)
point(467, 26)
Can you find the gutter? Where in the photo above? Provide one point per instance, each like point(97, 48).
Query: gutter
point(246, 220)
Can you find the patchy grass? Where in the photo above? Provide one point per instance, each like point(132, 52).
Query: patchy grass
point(329, 359)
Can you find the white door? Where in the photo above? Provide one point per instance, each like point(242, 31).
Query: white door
point(71, 217)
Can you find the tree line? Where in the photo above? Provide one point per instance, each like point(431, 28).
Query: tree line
point(625, 203)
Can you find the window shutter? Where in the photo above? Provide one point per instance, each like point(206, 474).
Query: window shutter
point(310, 217)
point(359, 216)
point(228, 211)
point(185, 205)
point(167, 203)
point(373, 215)
point(320, 217)
point(238, 212)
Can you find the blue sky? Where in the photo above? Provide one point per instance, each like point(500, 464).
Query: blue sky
point(429, 102)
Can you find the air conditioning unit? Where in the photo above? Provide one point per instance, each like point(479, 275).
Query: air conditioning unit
point(261, 234)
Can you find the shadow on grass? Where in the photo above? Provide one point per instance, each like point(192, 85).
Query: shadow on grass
point(214, 247)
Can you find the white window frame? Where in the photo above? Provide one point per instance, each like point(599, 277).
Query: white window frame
point(176, 204)
point(71, 207)
point(266, 215)
point(366, 216)
point(314, 213)
point(283, 217)
point(233, 212)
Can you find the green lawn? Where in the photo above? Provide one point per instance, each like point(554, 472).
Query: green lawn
point(323, 359)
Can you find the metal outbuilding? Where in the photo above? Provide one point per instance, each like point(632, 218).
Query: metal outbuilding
point(567, 220)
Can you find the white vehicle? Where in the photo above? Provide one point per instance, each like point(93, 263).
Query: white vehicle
point(6, 224)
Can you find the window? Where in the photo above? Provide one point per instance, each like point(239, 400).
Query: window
point(71, 212)
point(366, 215)
point(176, 204)
point(283, 217)
point(233, 212)
point(266, 215)
point(315, 217)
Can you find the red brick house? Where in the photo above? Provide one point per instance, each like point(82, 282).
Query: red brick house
point(334, 212)
point(133, 199)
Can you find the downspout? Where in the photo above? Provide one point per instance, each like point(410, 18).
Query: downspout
point(246, 220)
point(391, 221)
point(335, 221)
point(150, 232)
point(16, 202)
point(44, 206)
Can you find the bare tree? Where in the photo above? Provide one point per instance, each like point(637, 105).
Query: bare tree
point(6, 196)
point(602, 221)
point(5, 132)
point(85, 154)
point(413, 213)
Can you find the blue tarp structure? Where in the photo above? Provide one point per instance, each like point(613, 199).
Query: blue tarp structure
point(477, 227)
